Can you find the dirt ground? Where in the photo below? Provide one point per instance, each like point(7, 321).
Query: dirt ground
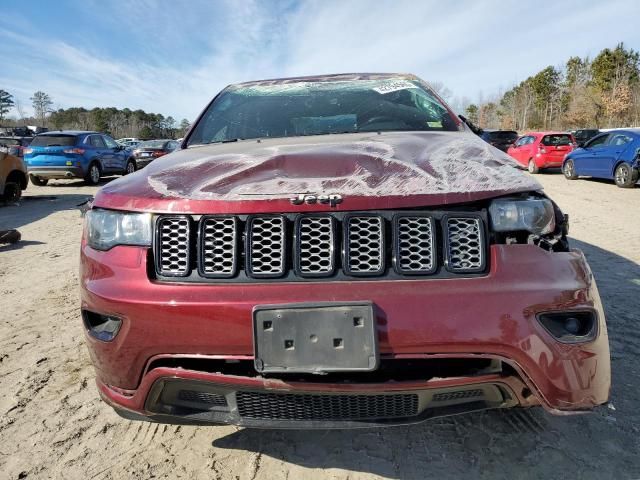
point(52, 424)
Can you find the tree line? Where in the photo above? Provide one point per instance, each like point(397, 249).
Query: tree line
point(116, 122)
point(603, 92)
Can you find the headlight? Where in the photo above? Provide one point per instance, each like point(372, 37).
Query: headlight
point(535, 215)
point(106, 229)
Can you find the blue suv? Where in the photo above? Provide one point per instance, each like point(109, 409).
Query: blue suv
point(76, 154)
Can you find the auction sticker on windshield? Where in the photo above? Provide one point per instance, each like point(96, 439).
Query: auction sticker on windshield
point(394, 86)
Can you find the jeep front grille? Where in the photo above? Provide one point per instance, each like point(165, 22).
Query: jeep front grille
point(336, 246)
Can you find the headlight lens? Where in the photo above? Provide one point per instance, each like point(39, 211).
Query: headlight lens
point(106, 229)
point(535, 215)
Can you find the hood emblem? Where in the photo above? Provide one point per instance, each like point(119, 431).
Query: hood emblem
point(332, 199)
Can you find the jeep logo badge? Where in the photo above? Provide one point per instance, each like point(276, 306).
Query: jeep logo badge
point(332, 199)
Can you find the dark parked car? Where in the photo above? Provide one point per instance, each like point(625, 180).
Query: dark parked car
point(584, 135)
point(501, 139)
point(613, 155)
point(336, 251)
point(76, 154)
point(145, 152)
point(15, 145)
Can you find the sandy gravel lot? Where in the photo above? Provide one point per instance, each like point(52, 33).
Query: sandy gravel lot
point(52, 424)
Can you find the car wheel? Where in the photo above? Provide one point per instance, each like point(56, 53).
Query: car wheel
point(569, 170)
point(131, 167)
point(12, 192)
point(625, 176)
point(40, 182)
point(93, 174)
point(532, 167)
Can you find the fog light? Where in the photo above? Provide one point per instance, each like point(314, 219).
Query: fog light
point(101, 327)
point(570, 327)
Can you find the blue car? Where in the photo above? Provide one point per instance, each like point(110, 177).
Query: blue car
point(76, 154)
point(613, 155)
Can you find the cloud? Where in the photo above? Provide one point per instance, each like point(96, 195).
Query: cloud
point(173, 57)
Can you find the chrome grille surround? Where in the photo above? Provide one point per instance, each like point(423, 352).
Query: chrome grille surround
point(464, 244)
point(415, 244)
point(266, 246)
point(173, 239)
point(315, 245)
point(364, 245)
point(218, 247)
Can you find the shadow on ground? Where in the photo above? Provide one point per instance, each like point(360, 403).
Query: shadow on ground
point(524, 444)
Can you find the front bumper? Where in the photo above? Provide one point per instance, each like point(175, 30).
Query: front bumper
point(490, 317)
point(53, 172)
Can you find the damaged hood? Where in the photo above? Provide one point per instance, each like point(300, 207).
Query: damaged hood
point(370, 171)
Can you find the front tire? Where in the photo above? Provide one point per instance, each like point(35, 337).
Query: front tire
point(37, 181)
point(12, 192)
point(93, 174)
point(569, 170)
point(532, 167)
point(131, 167)
point(625, 176)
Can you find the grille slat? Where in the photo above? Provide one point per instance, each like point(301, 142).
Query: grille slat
point(218, 240)
point(266, 246)
point(275, 406)
point(364, 245)
point(315, 245)
point(465, 249)
point(173, 237)
point(296, 246)
point(415, 244)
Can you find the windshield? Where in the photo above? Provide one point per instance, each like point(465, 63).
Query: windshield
point(318, 108)
point(152, 144)
point(54, 141)
point(9, 141)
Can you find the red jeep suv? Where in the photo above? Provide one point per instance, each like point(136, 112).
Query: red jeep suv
point(336, 251)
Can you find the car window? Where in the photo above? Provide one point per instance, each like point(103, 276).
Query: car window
point(110, 142)
point(502, 136)
point(96, 141)
point(597, 141)
point(54, 141)
point(557, 139)
point(619, 139)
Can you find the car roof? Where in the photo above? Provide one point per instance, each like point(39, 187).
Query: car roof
point(542, 134)
point(68, 132)
point(328, 78)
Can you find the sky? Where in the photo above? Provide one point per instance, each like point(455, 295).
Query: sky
point(173, 56)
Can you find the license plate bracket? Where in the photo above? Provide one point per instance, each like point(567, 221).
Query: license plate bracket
point(315, 337)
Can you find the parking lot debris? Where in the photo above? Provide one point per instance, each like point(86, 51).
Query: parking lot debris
point(9, 236)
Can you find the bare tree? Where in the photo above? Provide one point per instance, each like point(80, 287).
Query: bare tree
point(42, 103)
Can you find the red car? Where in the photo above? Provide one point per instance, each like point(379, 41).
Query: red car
point(336, 251)
point(538, 150)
